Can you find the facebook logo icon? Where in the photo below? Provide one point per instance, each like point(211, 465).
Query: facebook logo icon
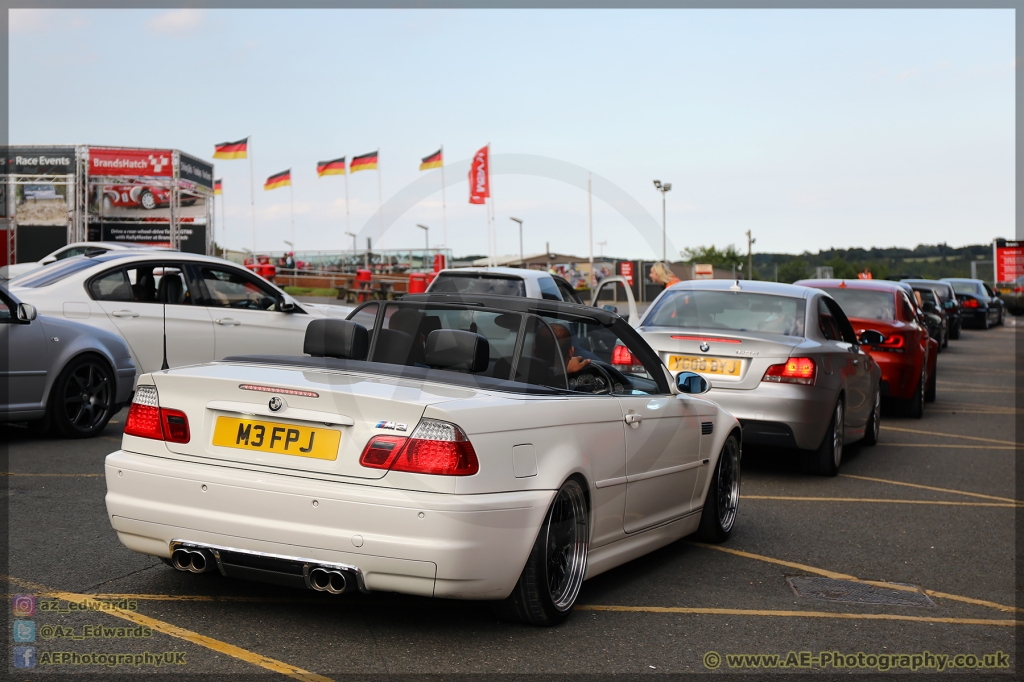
point(24, 657)
point(24, 631)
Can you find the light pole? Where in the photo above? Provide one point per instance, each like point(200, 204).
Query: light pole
point(426, 237)
point(664, 239)
point(602, 245)
point(352, 234)
point(522, 261)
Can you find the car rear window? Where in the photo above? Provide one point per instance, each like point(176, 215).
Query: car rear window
point(967, 288)
point(52, 274)
point(865, 303)
point(476, 283)
point(728, 310)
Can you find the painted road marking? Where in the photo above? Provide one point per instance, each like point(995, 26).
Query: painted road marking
point(844, 576)
point(11, 473)
point(799, 614)
point(950, 435)
point(180, 633)
point(929, 487)
point(880, 501)
point(957, 446)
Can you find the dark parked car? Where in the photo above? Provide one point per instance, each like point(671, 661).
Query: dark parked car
point(944, 290)
point(934, 315)
point(979, 303)
point(1012, 294)
point(59, 372)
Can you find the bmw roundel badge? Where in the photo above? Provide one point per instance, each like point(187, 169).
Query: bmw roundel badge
point(276, 403)
point(704, 347)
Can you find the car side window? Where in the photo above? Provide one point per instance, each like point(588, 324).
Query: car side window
point(909, 314)
point(6, 314)
point(68, 253)
point(229, 288)
point(826, 324)
point(989, 290)
point(548, 290)
point(366, 317)
point(841, 321)
point(568, 293)
point(111, 286)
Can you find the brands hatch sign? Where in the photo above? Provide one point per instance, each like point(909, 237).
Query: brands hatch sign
point(151, 163)
point(38, 160)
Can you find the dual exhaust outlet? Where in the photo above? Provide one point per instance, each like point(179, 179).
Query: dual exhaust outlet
point(320, 578)
point(191, 560)
point(328, 580)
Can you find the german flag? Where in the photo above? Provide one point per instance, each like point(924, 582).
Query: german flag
point(335, 167)
point(432, 161)
point(364, 162)
point(282, 179)
point(231, 150)
point(218, 187)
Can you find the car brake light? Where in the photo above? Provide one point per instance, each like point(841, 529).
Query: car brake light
point(969, 303)
point(1018, 290)
point(625, 360)
point(793, 371)
point(435, 447)
point(147, 420)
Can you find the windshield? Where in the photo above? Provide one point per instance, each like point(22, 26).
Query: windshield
point(53, 273)
point(865, 303)
point(728, 310)
point(967, 288)
point(478, 283)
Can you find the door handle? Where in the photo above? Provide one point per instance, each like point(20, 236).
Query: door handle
point(125, 313)
point(227, 322)
point(634, 420)
point(856, 361)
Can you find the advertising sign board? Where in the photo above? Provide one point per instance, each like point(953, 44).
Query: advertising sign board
point(703, 271)
point(152, 163)
point(1009, 258)
point(194, 170)
point(38, 160)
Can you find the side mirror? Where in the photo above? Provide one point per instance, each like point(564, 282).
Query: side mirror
point(285, 306)
point(871, 337)
point(692, 383)
point(26, 312)
point(610, 308)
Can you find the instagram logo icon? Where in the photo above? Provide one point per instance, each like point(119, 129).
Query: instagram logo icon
point(24, 605)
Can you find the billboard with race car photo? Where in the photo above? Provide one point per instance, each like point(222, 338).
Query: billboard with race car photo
point(136, 184)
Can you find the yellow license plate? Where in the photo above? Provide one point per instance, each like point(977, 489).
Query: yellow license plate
point(281, 439)
point(691, 363)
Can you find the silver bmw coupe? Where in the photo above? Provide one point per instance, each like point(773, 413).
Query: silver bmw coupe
point(783, 359)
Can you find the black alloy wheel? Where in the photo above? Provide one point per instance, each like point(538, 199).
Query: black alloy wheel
point(915, 405)
point(82, 397)
point(873, 427)
point(723, 499)
point(825, 461)
point(551, 580)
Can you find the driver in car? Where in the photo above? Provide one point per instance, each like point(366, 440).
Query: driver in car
point(580, 378)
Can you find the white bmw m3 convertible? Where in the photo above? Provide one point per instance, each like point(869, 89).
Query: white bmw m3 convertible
point(470, 447)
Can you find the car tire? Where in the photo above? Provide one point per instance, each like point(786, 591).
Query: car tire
point(1002, 317)
point(915, 404)
point(945, 339)
point(954, 333)
point(826, 460)
point(147, 200)
point(82, 399)
point(550, 582)
point(929, 394)
point(723, 499)
point(872, 428)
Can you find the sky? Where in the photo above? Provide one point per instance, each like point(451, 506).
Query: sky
point(812, 129)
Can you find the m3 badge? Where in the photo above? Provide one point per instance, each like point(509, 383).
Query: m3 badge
point(393, 426)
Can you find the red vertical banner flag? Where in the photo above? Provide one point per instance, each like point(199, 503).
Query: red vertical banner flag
point(480, 176)
point(1009, 260)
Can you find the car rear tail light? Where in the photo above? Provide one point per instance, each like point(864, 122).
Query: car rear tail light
point(147, 420)
point(435, 447)
point(894, 343)
point(1018, 290)
point(623, 359)
point(381, 451)
point(969, 303)
point(793, 371)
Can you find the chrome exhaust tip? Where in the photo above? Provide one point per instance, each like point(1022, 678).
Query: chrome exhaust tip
point(325, 580)
point(193, 561)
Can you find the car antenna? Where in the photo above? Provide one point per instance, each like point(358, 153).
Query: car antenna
point(163, 299)
point(735, 286)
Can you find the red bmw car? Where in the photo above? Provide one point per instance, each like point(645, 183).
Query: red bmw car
point(140, 195)
point(907, 355)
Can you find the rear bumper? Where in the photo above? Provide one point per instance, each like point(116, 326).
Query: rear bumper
point(443, 545)
point(786, 415)
point(899, 374)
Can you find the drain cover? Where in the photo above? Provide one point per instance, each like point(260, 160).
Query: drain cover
point(850, 591)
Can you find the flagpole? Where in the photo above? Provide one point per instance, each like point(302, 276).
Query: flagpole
point(494, 229)
point(590, 225)
point(380, 198)
point(291, 190)
point(223, 220)
point(252, 194)
point(348, 227)
point(444, 214)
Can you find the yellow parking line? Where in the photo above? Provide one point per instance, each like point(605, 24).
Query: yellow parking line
point(930, 487)
point(957, 446)
point(982, 390)
point(880, 501)
point(950, 435)
point(799, 614)
point(180, 633)
point(843, 576)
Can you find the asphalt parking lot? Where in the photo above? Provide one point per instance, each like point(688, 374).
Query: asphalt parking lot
point(925, 518)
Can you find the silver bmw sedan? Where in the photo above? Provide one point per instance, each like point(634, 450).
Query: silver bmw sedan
point(783, 359)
